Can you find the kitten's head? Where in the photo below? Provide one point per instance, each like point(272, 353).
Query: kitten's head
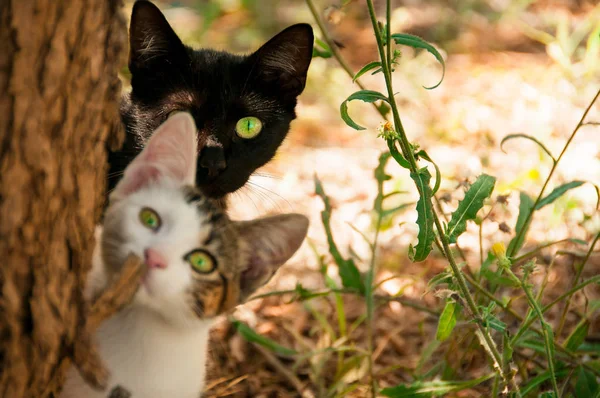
point(200, 263)
point(242, 105)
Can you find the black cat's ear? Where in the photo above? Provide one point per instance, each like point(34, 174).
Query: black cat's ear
point(284, 60)
point(151, 37)
point(269, 242)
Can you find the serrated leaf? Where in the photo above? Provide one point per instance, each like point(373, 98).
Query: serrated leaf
point(447, 321)
point(416, 42)
point(366, 68)
point(577, 336)
point(586, 385)
point(557, 193)
point(525, 207)
point(249, 334)
point(426, 389)
point(362, 95)
point(467, 209)
point(424, 217)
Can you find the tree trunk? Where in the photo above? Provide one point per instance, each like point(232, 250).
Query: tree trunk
point(59, 97)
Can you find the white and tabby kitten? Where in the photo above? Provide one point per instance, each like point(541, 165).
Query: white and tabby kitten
point(200, 264)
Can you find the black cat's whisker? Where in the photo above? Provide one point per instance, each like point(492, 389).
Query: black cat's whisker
point(267, 192)
point(266, 175)
point(261, 196)
point(241, 191)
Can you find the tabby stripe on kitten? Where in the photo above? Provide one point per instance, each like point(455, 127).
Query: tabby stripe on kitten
point(200, 264)
point(242, 105)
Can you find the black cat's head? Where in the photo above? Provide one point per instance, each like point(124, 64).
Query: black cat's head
point(242, 105)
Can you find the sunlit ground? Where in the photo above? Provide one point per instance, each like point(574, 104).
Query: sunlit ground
point(504, 75)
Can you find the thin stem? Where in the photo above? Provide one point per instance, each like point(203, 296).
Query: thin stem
point(409, 155)
point(563, 316)
point(370, 304)
point(518, 237)
point(334, 50)
point(569, 292)
point(379, 297)
point(548, 340)
point(529, 255)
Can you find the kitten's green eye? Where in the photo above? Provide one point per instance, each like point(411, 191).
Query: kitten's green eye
point(201, 261)
point(150, 218)
point(248, 127)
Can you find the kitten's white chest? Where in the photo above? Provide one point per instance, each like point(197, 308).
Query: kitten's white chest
point(148, 358)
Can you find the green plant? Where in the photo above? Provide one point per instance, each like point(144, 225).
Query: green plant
point(526, 355)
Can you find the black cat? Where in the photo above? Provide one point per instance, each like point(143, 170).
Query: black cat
point(242, 105)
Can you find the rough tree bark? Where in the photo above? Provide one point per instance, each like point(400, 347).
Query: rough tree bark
point(59, 95)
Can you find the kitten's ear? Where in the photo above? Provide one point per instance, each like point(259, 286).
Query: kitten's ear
point(171, 152)
point(270, 242)
point(285, 58)
point(151, 37)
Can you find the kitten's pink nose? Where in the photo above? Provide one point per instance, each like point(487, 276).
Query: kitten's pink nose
point(154, 259)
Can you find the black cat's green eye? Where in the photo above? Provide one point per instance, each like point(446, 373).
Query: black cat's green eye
point(201, 261)
point(248, 127)
point(150, 219)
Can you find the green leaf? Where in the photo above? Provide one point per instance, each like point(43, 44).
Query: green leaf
point(557, 193)
point(525, 207)
point(363, 95)
point(495, 323)
point(398, 157)
point(347, 270)
point(422, 389)
point(416, 42)
point(447, 321)
point(467, 209)
point(424, 216)
point(547, 394)
point(321, 49)
point(249, 334)
point(498, 279)
point(438, 174)
point(577, 337)
point(534, 383)
point(546, 326)
point(528, 137)
point(586, 385)
point(442, 277)
point(366, 68)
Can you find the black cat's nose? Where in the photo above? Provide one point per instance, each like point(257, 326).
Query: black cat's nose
point(212, 158)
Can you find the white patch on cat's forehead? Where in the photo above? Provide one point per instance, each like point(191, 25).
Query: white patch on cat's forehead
point(211, 141)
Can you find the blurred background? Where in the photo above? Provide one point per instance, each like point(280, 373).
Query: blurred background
point(520, 66)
